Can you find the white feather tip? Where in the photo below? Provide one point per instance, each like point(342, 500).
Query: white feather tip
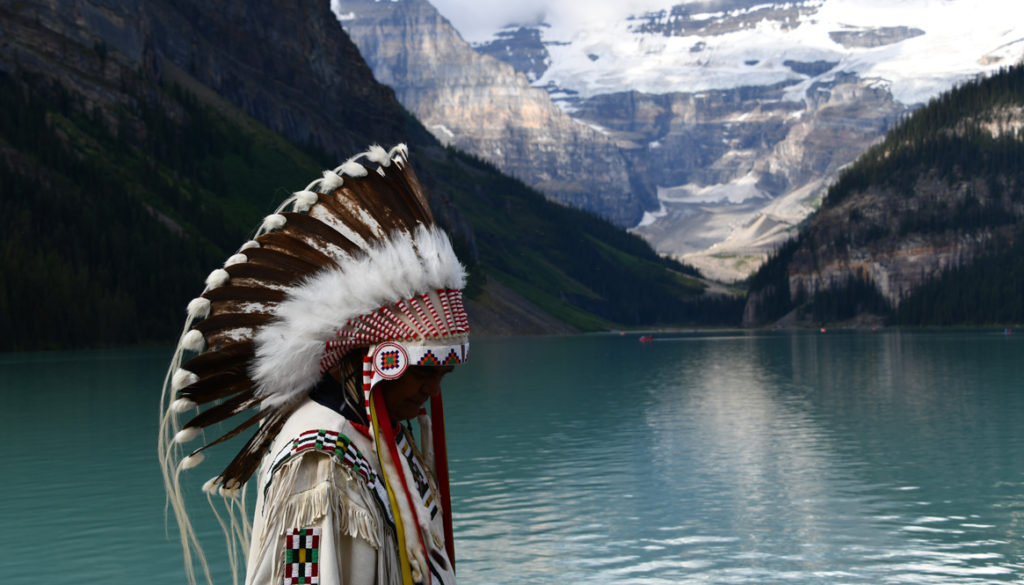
point(183, 378)
point(191, 461)
point(186, 434)
point(193, 341)
point(199, 308)
point(217, 278)
point(353, 169)
point(330, 182)
point(249, 245)
point(304, 200)
point(378, 155)
point(399, 154)
point(211, 485)
point(230, 489)
point(236, 259)
point(182, 405)
point(274, 221)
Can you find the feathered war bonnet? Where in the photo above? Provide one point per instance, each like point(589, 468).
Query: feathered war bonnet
point(352, 261)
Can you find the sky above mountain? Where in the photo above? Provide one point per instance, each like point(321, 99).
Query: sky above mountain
point(598, 49)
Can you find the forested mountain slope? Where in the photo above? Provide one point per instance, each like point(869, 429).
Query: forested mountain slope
point(924, 229)
point(140, 142)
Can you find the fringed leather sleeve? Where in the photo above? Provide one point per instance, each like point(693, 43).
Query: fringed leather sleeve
point(322, 517)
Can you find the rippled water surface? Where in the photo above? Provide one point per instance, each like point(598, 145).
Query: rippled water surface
point(890, 457)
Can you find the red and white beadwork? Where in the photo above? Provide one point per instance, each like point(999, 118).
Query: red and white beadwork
point(389, 360)
point(432, 318)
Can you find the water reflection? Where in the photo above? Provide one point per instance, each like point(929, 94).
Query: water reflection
point(732, 458)
point(750, 458)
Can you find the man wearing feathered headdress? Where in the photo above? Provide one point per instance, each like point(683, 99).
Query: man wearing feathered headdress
point(337, 322)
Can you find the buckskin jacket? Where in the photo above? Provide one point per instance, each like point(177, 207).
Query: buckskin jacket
point(323, 514)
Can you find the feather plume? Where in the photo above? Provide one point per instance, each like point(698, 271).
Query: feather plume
point(292, 246)
point(244, 293)
point(318, 235)
point(186, 434)
point(341, 214)
point(216, 386)
point(222, 411)
point(182, 405)
point(250, 274)
point(281, 260)
point(248, 458)
point(231, 357)
point(218, 323)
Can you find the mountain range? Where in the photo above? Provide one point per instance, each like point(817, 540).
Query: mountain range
point(711, 128)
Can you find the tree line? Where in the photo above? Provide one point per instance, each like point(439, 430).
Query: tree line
point(946, 146)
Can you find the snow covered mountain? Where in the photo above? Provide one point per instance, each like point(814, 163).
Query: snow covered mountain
point(733, 116)
point(918, 47)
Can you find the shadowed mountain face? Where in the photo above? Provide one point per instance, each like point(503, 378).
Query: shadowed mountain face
point(281, 63)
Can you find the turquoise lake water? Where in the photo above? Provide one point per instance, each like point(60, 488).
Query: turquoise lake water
point(726, 457)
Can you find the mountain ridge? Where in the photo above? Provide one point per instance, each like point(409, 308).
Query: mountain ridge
point(937, 198)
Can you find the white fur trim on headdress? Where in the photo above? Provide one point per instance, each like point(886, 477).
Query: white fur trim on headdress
point(288, 349)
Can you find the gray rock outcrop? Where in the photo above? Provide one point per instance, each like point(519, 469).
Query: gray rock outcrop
point(485, 107)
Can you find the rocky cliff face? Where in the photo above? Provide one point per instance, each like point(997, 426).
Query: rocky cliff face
point(522, 48)
point(484, 106)
point(939, 193)
point(736, 170)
